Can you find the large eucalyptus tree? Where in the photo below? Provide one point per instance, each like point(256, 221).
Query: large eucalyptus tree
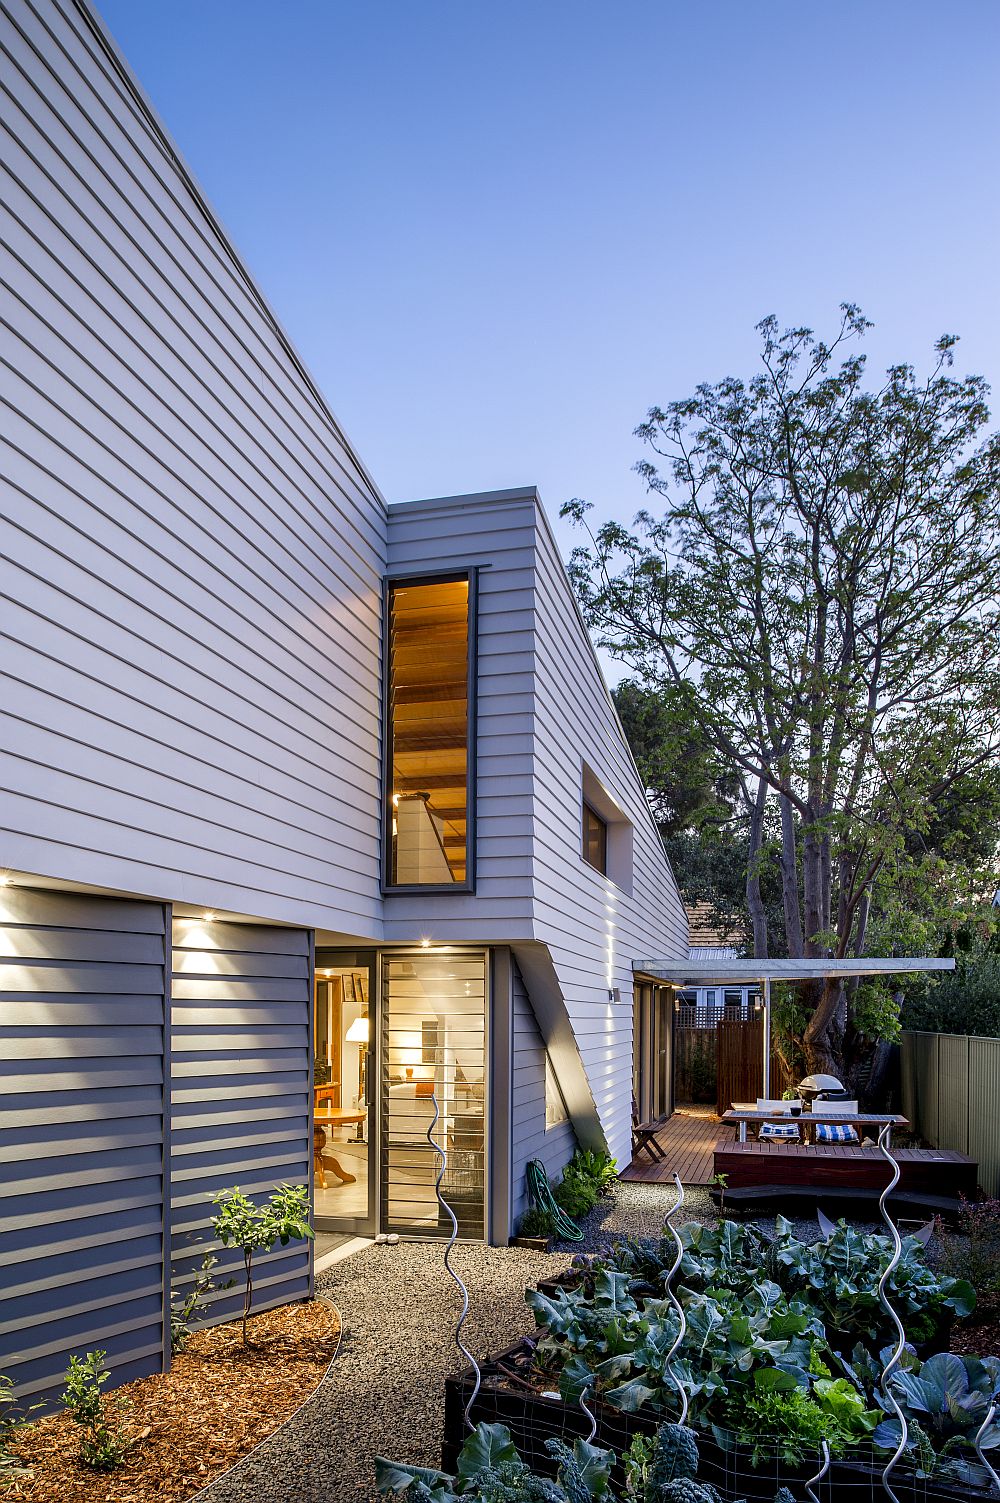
point(824, 576)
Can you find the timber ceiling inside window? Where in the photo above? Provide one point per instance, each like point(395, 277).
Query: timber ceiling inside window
point(429, 730)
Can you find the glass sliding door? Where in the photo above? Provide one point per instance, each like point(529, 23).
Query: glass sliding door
point(433, 1056)
point(343, 1087)
point(652, 1050)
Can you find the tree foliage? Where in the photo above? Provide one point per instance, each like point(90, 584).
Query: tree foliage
point(822, 587)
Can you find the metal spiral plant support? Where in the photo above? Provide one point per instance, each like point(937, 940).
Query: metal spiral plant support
point(442, 1155)
point(582, 1401)
point(978, 1443)
point(668, 1359)
point(825, 1454)
point(883, 1282)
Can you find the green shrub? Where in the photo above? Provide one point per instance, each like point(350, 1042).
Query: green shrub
point(576, 1194)
point(240, 1223)
point(12, 1417)
point(595, 1164)
point(536, 1223)
point(186, 1308)
point(972, 1251)
point(103, 1444)
point(966, 1001)
point(587, 1176)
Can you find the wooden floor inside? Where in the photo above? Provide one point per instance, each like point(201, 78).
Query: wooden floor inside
point(688, 1139)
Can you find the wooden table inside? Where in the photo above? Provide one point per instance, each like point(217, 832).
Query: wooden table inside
point(857, 1119)
point(339, 1116)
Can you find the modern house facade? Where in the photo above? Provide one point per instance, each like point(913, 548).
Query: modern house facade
point(317, 822)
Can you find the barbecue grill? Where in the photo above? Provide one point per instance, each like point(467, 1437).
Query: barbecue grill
point(820, 1088)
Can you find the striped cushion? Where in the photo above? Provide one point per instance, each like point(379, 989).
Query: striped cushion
point(835, 1132)
point(789, 1130)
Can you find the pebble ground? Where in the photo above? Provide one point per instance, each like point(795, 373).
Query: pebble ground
point(385, 1391)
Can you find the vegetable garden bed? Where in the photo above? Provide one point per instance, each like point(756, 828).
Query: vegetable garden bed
point(218, 1401)
point(784, 1346)
point(532, 1417)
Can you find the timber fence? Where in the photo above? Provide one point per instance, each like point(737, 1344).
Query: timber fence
point(951, 1094)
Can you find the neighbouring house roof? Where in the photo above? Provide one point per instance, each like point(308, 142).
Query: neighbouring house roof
point(706, 938)
point(721, 970)
point(700, 954)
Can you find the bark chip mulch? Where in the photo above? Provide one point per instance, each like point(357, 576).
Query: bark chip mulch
point(219, 1400)
point(981, 1339)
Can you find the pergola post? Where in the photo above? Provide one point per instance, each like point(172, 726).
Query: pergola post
point(766, 984)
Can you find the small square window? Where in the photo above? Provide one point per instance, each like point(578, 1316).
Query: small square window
point(595, 840)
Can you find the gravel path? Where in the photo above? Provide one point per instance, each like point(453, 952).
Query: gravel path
point(385, 1391)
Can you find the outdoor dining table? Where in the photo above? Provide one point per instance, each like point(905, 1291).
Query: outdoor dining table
point(878, 1120)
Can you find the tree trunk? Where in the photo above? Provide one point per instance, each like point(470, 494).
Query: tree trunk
point(812, 891)
point(755, 904)
point(248, 1295)
point(790, 880)
point(823, 1040)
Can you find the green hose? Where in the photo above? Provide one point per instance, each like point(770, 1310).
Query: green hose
point(541, 1193)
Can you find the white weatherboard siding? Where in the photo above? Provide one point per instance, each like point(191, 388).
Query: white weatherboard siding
point(530, 1138)
point(191, 555)
point(592, 928)
point(494, 534)
point(544, 712)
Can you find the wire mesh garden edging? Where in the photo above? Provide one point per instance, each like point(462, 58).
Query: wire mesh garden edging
point(736, 1470)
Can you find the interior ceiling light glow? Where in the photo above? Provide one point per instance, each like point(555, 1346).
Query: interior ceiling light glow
point(208, 916)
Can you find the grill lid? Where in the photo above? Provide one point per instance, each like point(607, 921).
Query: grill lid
point(821, 1083)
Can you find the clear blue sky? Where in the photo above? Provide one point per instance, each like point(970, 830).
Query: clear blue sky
point(499, 232)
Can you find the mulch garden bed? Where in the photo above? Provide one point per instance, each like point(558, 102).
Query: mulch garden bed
point(219, 1400)
point(979, 1337)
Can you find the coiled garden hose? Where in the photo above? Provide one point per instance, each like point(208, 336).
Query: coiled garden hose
point(541, 1193)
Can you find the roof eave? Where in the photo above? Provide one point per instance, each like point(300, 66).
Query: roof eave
point(681, 972)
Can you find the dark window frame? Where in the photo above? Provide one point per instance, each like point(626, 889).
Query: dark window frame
point(389, 583)
point(588, 809)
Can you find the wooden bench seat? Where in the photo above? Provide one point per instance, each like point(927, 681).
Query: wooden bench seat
point(923, 1171)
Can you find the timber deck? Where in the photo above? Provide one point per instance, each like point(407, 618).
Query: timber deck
point(689, 1139)
point(844, 1167)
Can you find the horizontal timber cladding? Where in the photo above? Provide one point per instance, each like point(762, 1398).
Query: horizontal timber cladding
point(530, 1138)
point(592, 925)
point(82, 1046)
point(190, 553)
point(240, 1088)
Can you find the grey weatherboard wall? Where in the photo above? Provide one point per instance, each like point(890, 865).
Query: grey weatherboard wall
point(529, 1137)
point(241, 1090)
point(82, 1039)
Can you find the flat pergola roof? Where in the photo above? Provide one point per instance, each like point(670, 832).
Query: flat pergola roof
point(720, 972)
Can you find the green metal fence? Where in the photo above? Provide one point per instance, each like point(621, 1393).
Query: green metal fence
point(951, 1094)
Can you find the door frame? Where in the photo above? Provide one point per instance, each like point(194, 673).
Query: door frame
point(361, 958)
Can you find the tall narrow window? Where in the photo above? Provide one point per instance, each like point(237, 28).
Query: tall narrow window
point(429, 836)
point(595, 839)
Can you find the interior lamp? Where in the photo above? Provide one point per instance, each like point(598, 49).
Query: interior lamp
point(357, 1033)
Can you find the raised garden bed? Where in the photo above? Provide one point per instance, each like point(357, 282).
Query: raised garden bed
point(219, 1400)
point(532, 1418)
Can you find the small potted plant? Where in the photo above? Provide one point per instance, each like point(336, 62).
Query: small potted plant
point(792, 1096)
